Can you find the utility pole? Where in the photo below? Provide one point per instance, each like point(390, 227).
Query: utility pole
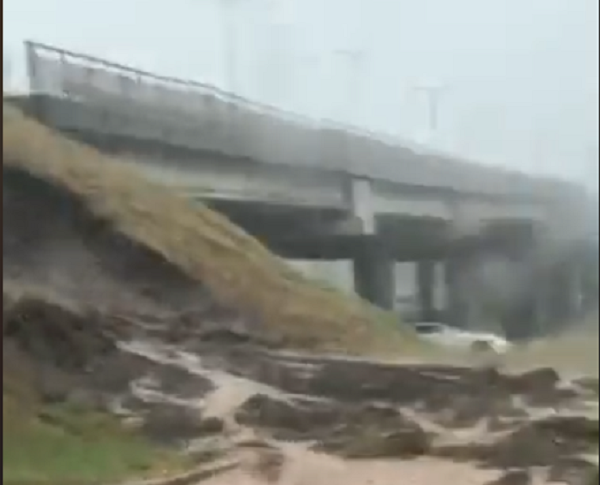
point(282, 58)
point(309, 66)
point(433, 95)
point(228, 25)
point(227, 8)
point(279, 53)
point(351, 101)
point(354, 61)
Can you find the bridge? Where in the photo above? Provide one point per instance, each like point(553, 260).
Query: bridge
point(316, 189)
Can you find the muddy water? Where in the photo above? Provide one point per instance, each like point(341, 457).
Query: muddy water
point(300, 466)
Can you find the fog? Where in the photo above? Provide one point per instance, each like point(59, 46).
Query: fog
point(519, 77)
point(512, 83)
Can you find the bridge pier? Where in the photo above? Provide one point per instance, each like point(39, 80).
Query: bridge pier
point(459, 308)
point(374, 276)
point(480, 285)
point(426, 280)
point(557, 294)
point(564, 298)
point(546, 308)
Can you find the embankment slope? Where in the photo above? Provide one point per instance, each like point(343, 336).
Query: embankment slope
point(97, 231)
point(89, 245)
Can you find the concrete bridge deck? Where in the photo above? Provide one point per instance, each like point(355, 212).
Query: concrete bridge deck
point(188, 114)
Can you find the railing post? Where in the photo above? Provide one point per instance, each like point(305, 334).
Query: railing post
point(31, 66)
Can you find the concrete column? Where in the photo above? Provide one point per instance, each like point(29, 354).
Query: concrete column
point(425, 276)
point(557, 297)
point(374, 277)
point(540, 311)
point(359, 202)
point(530, 314)
point(570, 292)
point(453, 308)
point(458, 308)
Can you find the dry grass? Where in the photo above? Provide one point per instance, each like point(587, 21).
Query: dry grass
point(240, 272)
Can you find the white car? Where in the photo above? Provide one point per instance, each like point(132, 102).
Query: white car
point(455, 338)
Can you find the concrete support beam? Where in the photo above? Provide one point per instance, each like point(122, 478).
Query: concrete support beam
point(374, 277)
point(359, 200)
point(426, 289)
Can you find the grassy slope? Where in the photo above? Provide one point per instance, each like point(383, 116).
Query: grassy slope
point(239, 270)
point(82, 445)
point(60, 444)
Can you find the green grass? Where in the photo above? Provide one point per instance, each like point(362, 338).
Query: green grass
point(65, 445)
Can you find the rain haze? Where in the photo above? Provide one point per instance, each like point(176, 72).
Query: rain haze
point(518, 79)
point(513, 83)
point(293, 242)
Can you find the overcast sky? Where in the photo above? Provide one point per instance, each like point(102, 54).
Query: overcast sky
point(519, 77)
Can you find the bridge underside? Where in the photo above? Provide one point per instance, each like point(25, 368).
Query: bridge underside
point(544, 290)
point(326, 234)
point(311, 231)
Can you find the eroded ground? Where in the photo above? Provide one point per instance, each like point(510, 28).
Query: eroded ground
point(142, 331)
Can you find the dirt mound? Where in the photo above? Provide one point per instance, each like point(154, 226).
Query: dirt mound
point(54, 335)
point(100, 232)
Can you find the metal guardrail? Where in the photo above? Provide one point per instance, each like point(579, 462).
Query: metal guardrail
point(267, 131)
point(57, 71)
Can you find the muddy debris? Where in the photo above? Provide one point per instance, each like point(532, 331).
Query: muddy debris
point(589, 384)
point(289, 419)
point(513, 477)
point(406, 441)
point(539, 442)
point(574, 471)
point(162, 390)
point(267, 463)
point(176, 424)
